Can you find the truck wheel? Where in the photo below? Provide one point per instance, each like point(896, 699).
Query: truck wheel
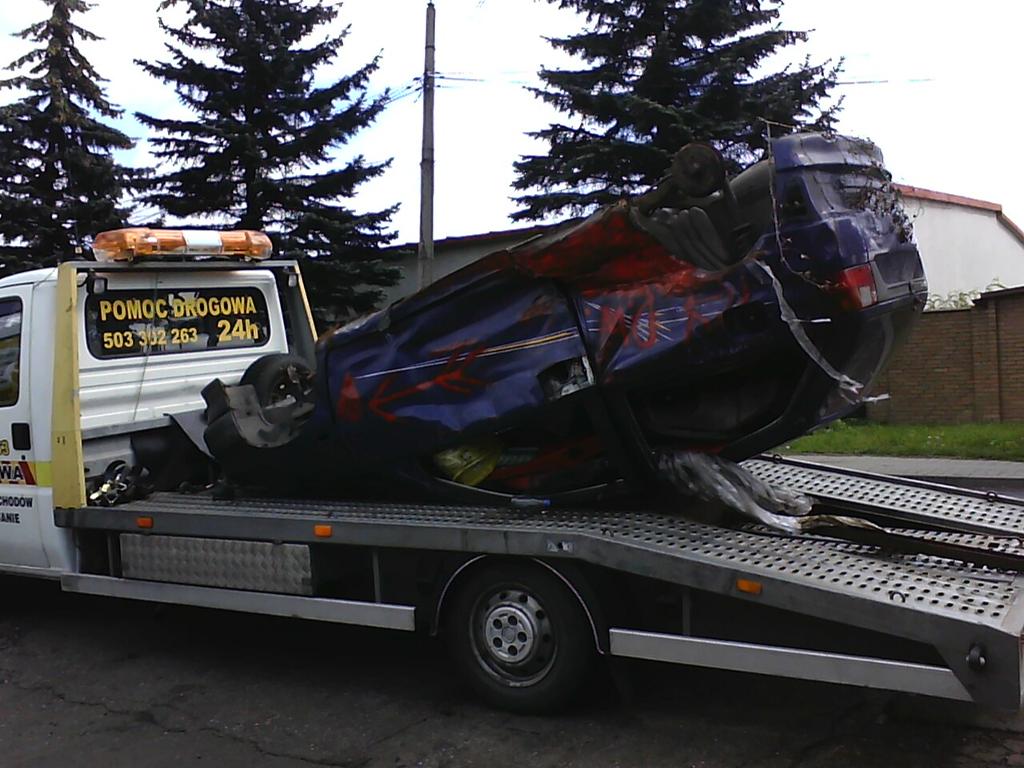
point(520, 638)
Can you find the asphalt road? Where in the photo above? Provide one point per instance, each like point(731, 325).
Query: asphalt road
point(88, 681)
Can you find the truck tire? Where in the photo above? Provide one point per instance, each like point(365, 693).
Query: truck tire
point(520, 638)
point(276, 376)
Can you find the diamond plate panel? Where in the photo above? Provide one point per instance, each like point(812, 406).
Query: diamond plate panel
point(251, 565)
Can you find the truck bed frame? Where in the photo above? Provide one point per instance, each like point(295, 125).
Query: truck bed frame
point(971, 615)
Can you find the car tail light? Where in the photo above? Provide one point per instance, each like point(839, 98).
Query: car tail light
point(856, 286)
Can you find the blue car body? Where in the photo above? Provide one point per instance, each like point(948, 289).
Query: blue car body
point(556, 368)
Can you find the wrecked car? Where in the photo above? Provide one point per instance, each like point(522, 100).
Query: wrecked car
point(710, 316)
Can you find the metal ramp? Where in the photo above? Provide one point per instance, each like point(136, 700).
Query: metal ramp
point(938, 507)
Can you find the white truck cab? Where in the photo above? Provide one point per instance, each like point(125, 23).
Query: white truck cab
point(94, 353)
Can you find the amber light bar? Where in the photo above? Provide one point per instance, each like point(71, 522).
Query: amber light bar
point(141, 242)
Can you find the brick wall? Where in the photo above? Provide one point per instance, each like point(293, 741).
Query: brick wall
point(1010, 318)
point(959, 366)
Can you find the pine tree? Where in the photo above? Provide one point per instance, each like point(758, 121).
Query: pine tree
point(260, 152)
point(59, 184)
point(659, 74)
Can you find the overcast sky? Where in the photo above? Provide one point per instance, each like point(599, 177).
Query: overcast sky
point(934, 82)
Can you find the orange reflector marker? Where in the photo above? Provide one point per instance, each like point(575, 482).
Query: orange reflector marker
point(749, 586)
point(323, 531)
point(144, 522)
point(135, 243)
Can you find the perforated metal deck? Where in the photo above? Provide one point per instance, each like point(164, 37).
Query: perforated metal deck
point(945, 587)
point(913, 501)
point(944, 603)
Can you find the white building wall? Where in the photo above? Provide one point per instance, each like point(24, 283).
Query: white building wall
point(964, 249)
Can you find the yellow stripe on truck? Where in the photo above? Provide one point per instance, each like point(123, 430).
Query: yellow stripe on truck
point(69, 478)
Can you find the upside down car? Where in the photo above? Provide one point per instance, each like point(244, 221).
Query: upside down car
point(711, 315)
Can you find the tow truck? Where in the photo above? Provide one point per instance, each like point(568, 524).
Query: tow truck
point(104, 365)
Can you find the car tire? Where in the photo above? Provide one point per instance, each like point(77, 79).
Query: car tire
point(520, 638)
point(269, 376)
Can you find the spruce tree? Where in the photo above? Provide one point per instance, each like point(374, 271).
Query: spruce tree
point(261, 149)
point(59, 184)
point(657, 75)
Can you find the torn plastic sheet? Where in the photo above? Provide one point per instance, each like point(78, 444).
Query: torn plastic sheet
point(713, 478)
point(851, 389)
point(848, 387)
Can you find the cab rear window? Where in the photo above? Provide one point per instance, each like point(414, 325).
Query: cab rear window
point(10, 350)
point(126, 323)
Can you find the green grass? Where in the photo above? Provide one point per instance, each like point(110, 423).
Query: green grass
point(963, 441)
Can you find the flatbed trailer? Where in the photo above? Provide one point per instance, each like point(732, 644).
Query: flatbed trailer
point(930, 602)
point(934, 626)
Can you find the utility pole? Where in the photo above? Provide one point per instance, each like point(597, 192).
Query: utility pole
point(425, 252)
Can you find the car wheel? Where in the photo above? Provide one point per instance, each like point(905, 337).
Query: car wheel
point(520, 638)
point(277, 377)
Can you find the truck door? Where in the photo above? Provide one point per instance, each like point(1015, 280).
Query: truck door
point(20, 478)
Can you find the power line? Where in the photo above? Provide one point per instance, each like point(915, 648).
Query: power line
point(413, 87)
point(694, 86)
point(457, 79)
point(887, 82)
